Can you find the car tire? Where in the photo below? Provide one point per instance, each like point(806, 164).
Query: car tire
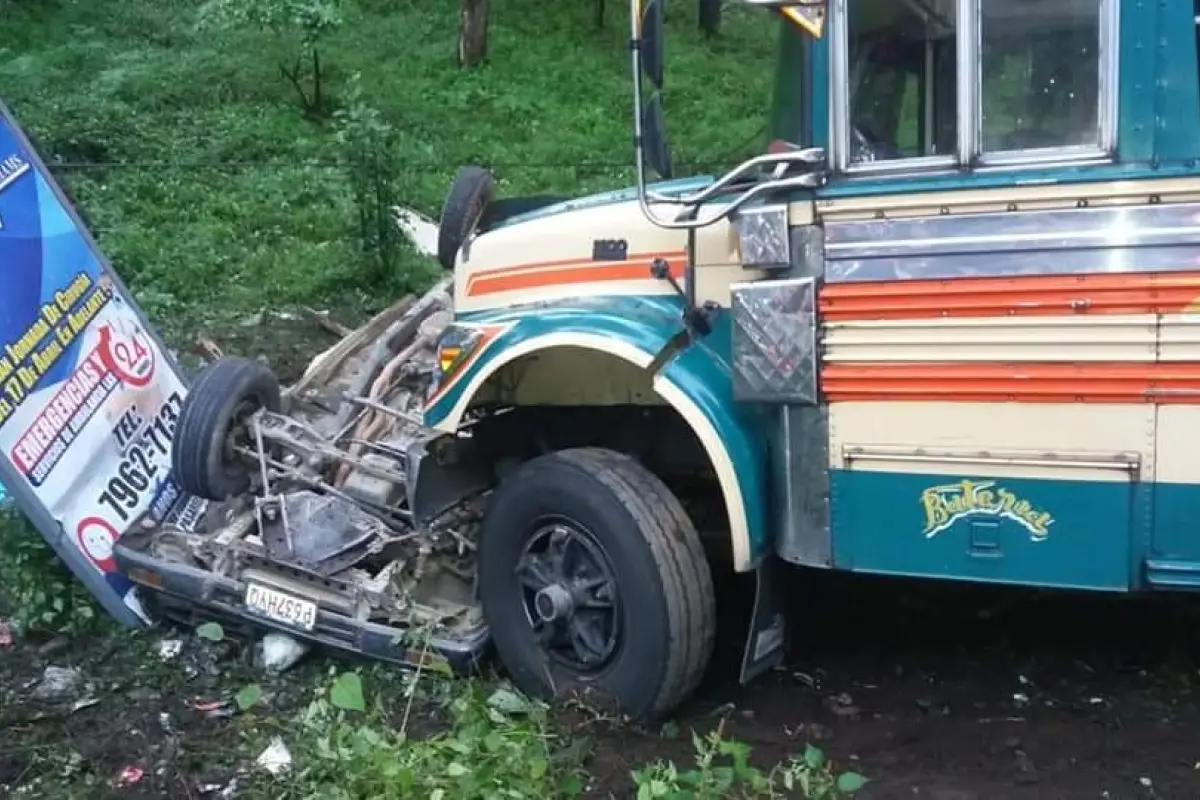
point(465, 203)
point(224, 393)
point(646, 652)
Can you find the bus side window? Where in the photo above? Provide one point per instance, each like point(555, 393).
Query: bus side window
point(1041, 72)
point(901, 72)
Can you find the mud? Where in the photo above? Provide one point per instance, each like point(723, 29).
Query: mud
point(931, 691)
point(958, 692)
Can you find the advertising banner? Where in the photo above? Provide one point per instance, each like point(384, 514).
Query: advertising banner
point(88, 394)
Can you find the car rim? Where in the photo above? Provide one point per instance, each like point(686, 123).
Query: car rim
point(569, 590)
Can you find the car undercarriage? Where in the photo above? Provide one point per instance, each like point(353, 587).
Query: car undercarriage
point(327, 496)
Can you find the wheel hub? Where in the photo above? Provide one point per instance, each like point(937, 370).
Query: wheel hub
point(571, 596)
point(553, 603)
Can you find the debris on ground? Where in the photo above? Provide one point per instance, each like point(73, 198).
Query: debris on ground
point(322, 320)
point(278, 652)
point(129, 776)
point(215, 709)
point(276, 759)
point(58, 683)
point(417, 228)
point(169, 649)
point(87, 702)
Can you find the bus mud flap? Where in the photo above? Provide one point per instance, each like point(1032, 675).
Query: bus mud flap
point(766, 638)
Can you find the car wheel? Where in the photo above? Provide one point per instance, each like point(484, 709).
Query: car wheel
point(212, 423)
point(593, 580)
point(466, 201)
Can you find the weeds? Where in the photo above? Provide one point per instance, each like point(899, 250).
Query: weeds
point(496, 744)
point(37, 589)
point(722, 770)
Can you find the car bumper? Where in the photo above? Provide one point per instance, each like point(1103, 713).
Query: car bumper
point(181, 590)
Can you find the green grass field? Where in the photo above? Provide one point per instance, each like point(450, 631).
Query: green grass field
point(214, 195)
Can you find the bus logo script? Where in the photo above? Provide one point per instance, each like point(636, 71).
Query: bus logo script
point(950, 503)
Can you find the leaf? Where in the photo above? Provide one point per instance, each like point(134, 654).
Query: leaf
point(814, 757)
point(347, 692)
point(455, 769)
point(211, 631)
point(508, 702)
point(850, 782)
point(538, 767)
point(248, 695)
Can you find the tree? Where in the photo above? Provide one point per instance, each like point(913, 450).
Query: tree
point(710, 16)
point(472, 32)
point(301, 24)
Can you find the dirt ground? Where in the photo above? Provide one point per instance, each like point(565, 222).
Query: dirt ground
point(934, 691)
point(931, 690)
point(954, 692)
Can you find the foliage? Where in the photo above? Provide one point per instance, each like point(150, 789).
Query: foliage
point(214, 197)
point(36, 587)
point(301, 24)
point(722, 769)
point(493, 747)
point(368, 149)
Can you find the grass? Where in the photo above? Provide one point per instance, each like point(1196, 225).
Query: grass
point(215, 196)
point(369, 733)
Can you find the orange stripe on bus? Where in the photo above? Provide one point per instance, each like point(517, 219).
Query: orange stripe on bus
point(544, 274)
point(1121, 382)
point(1031, 295)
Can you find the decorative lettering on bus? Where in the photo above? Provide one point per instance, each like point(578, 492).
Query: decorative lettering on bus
point(948, 504)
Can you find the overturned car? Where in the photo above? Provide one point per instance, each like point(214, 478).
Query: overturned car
point(329, 509)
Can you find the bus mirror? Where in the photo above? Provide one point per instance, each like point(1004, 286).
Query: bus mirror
point(650, 41)
point(654, 137)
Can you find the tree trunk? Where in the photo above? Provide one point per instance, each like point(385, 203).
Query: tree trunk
point(472, 32)
point(710, 16)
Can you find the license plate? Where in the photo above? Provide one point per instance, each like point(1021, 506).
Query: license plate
point(281, 607)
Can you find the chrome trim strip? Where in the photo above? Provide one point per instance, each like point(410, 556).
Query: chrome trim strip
point(1106, 226)
point(906, 166)
point(1128, 462)
point(1148, 238)
point(968, 57)
point(839, 88)
point(980, 265)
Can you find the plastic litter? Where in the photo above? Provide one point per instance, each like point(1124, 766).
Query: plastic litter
point(276, 759)
point(169, 648)
point(278, 652)
point(215, 709)
point(129, 776)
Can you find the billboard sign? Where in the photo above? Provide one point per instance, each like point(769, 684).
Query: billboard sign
point(89, 395)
